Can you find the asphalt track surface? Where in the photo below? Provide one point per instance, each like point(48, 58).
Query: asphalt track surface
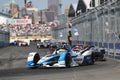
point(13, 67)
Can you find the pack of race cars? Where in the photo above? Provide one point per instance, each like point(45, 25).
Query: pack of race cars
point(65, 56)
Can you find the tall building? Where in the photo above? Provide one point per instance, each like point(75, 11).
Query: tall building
point(53, 5)
point(10, 8)
point(33, 14)
point(46, 16)
point(66, 11)
point(81, 7)
point(13, 9)
point(6, 8)
point(71, 12)
point(95, 3)
point(49, 16)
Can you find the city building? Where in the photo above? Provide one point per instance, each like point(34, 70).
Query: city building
point(10, 8)
point(46, 15)
point(6, 8)
point(84, 5)
point(66, 11)
point(49, 16)
point(33, 14)
point(3, 18)
point(40, 16)
point(13, 9)
point(67, 14)
point(71, 12)
point(81, 7)
point(95, 3)
point(53, 5)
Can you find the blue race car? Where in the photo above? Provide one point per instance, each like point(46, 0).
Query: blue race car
point(61, 57)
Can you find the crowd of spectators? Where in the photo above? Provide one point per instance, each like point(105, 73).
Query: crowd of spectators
point(18, 30)
point(29, 29)
point(4, 27)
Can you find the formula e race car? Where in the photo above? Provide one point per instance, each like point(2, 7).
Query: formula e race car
point(100, 54)
point(61, 57)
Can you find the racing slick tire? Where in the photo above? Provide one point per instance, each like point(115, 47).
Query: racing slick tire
point(92, 59)
point(36, 58)
point(68, 61)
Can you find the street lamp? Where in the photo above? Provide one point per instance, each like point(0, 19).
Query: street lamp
point(97, 19)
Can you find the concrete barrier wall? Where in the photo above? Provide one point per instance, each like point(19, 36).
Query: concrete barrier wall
point(4, 38)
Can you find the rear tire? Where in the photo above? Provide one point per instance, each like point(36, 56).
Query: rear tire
point(92, 59)
point(68, 61)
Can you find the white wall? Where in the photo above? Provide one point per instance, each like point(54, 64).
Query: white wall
point(3, 20)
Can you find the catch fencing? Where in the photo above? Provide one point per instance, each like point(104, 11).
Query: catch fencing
point(99, 26)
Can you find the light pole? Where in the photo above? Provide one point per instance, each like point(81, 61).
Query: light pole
point(96, 14)
point(41, 17)
point(108, 28)
point(60, 11)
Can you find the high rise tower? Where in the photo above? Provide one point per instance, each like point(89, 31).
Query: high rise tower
point(95, 3)
point(53, 5)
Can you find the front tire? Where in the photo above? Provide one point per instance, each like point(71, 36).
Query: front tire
point(36, 59)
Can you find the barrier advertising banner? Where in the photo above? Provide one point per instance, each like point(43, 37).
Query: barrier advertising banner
point(19, 21)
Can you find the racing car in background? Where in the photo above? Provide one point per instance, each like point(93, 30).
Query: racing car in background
point(42, 45)
point(20, 42)
point(61, 57)
point(100, 54)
